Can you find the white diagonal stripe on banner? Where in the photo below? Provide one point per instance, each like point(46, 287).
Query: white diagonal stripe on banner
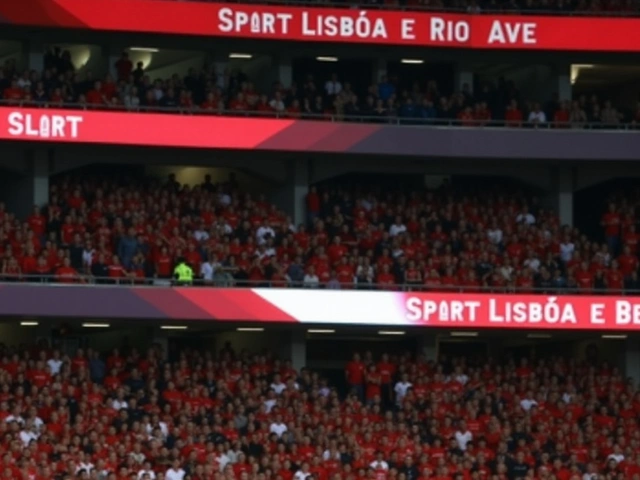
point(339, 307)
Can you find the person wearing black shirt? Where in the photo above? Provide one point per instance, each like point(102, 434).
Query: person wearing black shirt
point(75, 253)
point(100, 270)
point(169, 100)
point(518, 469)
point(409, 469)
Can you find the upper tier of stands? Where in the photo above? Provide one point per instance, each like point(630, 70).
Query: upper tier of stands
point(525, 7)
point(209, 92)
point(126, 231)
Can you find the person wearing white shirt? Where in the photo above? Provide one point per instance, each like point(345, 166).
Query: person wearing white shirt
point(533, 262)
point(401, 388)
point(147, 470)
point(333, 86)
point(87, 255)
point(463, 436)
point(28, 435)
point(617, 455)
point(397, 228)
point(303, 473)
point(537, 116)
point(495, 235)
point(119, 404)
point(278, 427)
point(86, 466)
point(527, 402)
point(310, 279)
point(209, 268)
point(201, 234)
point(224, 199)
point(55, 363)
point(506, 270)
point(175, 472)
point(276, 103)
point(277, 385)
point(263, 233)
point(14, 418)
point(460, 377)
point(270, 403)
point(223, 227)
point(379, 463)
point(263, 252)
point(566, 250)
point(525, 217)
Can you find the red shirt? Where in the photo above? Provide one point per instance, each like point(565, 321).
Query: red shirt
point(628, 264)
point(611, 222)
point(355, 373)
point(164, 266)
point(584, 279)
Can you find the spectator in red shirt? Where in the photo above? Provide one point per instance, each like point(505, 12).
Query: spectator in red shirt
point(66, 273)
point(611, 223)
point(124, 67)
point(628, 262)
point(584, 277)
point(14, 93)
point(355, 375)
point(513, 115)
point(96, 95)
point(561, 116)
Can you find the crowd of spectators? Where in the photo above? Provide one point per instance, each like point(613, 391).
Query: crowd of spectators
point(128, 231)
point(138, 416)
point(547, 7)
point(232, 93)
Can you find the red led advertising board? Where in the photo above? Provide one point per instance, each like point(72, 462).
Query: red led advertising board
point(331, 25)
point(331, 307)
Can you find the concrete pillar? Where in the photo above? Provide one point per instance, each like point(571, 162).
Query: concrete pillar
point(33, 55)
point(428, 346)
point(292, 196)
point(110, 55)
point(285, 70)
point(379, 70)
point(40, 177)
point(632, 360)
point(220, 66)
point(565, 89)
point(463, 78)
point(564, 189)
point(295, 349)
point(22, 190)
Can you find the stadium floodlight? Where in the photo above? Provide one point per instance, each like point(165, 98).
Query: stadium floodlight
point(321, 330)
point(173, 327)
point(96, 325)
point(250, 329)
point(464, 334)
point(327, 59)
point(412, 61)
point(29, 324)
point(144, 49)
point(244, 56)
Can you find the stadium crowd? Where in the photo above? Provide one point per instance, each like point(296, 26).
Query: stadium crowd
point(232, 93)
point(127, 231)
point(547, 7)
point(133, 416)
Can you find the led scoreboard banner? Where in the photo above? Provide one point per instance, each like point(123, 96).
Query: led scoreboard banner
point(486, 31)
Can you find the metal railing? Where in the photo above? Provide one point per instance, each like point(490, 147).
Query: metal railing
point(431, 9)
point(228, 281)
point(372, 118)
